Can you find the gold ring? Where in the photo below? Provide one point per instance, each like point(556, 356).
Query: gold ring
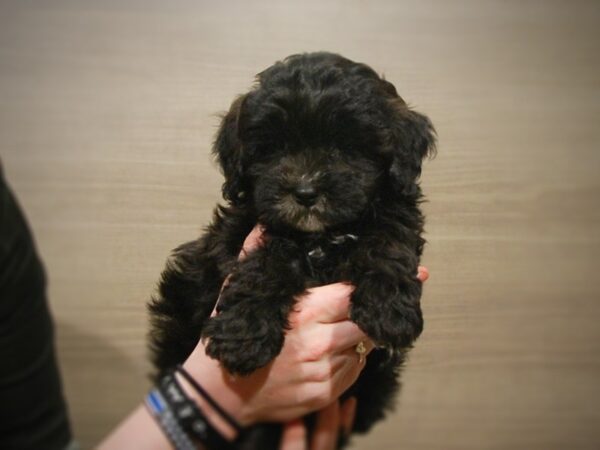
point(361, 349)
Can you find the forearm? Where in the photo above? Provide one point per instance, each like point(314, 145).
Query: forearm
point(141, 430)
point(138, 430)
point(292, 386)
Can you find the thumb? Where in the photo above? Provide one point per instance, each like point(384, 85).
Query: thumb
point(255, 239)
point(423, 274)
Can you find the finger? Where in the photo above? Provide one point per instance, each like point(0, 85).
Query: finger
point(423, 274)
point(327, 304)
point(254, 240)
point(223, 286)
point(342, 335)
point(349, 360)
point(346, 376)
point(294, 436)
point(327, 428)
point(355, 351)
point(331, 387)
point(325, 368)
point(347, 415)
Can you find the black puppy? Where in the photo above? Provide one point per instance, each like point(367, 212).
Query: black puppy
point(327, 156)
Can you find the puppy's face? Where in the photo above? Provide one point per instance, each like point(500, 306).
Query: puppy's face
point(312, 189)
point(317, 141)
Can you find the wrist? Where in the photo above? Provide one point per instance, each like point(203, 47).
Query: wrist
point(222, 387)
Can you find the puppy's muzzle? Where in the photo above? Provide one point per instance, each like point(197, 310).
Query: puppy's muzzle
point(305, 193)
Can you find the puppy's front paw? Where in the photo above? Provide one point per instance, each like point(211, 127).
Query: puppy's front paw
point(391, 325)
point(241, 344)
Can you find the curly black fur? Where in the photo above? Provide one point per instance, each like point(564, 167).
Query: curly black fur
point(327, 156)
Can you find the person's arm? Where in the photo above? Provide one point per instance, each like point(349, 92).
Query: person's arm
point(317, 363)
point(137, 430)
point(307, 376)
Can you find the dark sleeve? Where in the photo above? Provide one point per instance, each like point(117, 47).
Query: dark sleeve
point(33, 413)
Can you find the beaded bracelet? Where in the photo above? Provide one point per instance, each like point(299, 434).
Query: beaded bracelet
point(188, 416)
point(179, 368)
point(165, 418)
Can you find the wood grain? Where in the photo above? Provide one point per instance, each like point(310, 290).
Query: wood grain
point(107, 113)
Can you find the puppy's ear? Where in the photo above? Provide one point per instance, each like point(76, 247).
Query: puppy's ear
point(228, 150)
point(413, 138)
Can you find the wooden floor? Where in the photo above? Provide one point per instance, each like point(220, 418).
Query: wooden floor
point(107, 113)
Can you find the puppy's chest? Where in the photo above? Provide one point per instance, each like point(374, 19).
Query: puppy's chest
point(326, 260)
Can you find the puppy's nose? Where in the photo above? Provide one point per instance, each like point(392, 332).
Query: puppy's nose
point(305, 194)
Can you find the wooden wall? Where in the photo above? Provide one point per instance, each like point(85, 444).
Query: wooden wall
point(107, 113)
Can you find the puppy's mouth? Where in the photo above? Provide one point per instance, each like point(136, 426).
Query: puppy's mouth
point(309, 219)
point(310, 223)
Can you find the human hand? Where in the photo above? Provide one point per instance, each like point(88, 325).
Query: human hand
point(317, 363)
point(331, 420)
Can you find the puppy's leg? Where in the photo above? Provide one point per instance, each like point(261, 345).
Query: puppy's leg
point(190, 285)
point(253, 308)
point(386, 302)
point(187, 293)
